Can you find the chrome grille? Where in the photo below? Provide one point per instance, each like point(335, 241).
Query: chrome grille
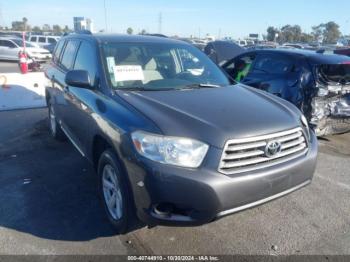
point(247, 154)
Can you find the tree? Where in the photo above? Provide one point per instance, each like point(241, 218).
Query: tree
point(36, 29)
point(328, 33)
point(66, 29)
point(143, 32)
point(17, 26)
point(271, 33)
point(57, 29)
point(129, 31)
point(24, 21)
point(317, 32)
point(331, 33)
point(46, 27)
point(290, 33)
point(306, 38)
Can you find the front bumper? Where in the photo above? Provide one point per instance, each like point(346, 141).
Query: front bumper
point(41, 57)
point(198, 196)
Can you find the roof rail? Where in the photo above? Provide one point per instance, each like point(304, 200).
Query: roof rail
point(84, 32)
point(321, 51)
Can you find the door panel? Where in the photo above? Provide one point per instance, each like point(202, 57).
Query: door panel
point(64, 107)
point(81, 101)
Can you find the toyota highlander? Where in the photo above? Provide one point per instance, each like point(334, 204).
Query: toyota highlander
point(172, 140)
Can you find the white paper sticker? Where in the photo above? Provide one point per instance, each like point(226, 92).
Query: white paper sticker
point(128, 73)
point(110, 64)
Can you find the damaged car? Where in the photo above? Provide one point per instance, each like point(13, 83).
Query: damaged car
point(317, 83)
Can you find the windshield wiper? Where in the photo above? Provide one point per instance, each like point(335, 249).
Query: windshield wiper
point(201, 85)
point(141, 88)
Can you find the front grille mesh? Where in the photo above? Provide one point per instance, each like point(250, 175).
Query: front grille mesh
point(243, 155)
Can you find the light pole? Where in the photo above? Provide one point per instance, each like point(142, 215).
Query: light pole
point(105, 10)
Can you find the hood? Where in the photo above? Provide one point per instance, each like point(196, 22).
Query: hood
point(214, 115)
point(222, 51)
point(36, 50)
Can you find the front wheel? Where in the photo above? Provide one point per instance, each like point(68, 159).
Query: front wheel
point(55, 128)
point(114, 191)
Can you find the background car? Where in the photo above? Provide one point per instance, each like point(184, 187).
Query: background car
point(10, 47)
point(343, 51)
point(222, 51)
point(43, 40)
point(47, 42)
point(317, 83)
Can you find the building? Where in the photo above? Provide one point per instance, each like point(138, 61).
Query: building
point(80, 23)
point(77, 23)
point(89, 25)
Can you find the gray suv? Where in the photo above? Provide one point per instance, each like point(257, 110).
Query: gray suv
point(172, 141)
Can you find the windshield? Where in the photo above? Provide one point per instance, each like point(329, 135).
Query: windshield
point(334, 74)
point(19, 42)
point(160, 66)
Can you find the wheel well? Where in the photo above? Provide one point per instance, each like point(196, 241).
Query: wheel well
point(99, 146)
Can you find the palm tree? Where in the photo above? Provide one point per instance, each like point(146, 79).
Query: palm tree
point(25, 21)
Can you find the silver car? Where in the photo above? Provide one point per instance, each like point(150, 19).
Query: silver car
point(11, 46)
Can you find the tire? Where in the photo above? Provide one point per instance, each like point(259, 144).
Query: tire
point(119, 209)
point(55, 129)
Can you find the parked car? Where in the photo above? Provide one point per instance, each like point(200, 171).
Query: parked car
point(317, 83)
point(43, 40)
point(171, 140)
point(10, 47)
point(342, 51)
point(222, 51)
point(200, 44)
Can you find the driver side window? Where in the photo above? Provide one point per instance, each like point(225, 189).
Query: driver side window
point(240, 67)
point(8, 44)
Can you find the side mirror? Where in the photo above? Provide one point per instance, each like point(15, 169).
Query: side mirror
point(78, 78)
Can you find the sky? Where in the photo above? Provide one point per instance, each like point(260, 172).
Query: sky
point(182, 17)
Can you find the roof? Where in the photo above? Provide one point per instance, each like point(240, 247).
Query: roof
point(125, 38)
point(312, 56)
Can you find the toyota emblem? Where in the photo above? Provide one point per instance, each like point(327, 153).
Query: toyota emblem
point(273, 148)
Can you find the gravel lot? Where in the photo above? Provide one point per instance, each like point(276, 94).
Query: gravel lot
point(49, 206)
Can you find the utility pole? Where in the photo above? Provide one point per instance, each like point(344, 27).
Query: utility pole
point(105, 10)
point(2, 22)
point(160, 21)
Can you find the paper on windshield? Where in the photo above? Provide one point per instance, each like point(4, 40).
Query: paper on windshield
point(128, 73)
point(110, 64)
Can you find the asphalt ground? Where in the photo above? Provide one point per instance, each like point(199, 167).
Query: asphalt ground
point(8, 67)
point(49, 205)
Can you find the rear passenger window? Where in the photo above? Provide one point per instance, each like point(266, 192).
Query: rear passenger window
point(86, 60)
point(68, 55)
point(51, 40)
point(33, 39)
point(42, 40)
point(58, 50)
point(273, 64)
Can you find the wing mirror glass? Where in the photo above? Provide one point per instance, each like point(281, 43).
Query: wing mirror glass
point(78, 78)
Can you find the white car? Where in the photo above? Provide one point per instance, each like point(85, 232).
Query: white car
point(43, 40)
point(10, 47)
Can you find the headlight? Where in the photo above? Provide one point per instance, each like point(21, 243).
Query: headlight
point(306, 124)
point(304, 120)
point(176, 151)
